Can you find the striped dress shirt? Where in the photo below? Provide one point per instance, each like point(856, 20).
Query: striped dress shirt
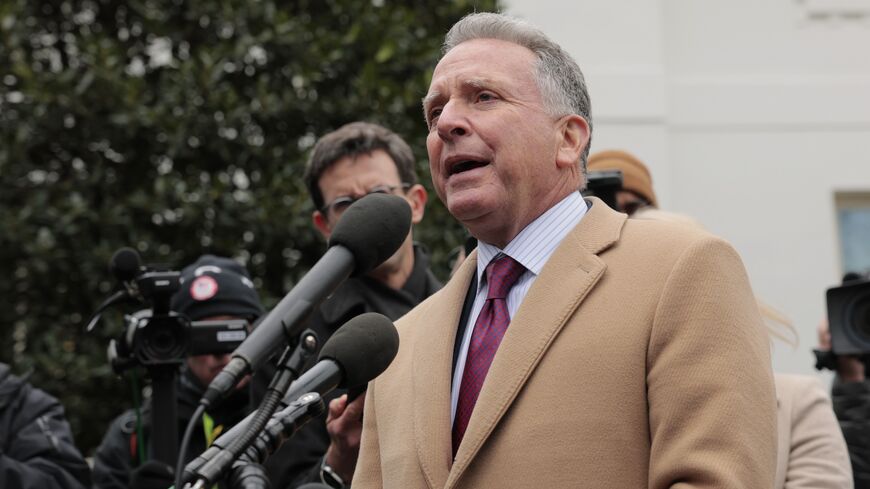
point(532, 247)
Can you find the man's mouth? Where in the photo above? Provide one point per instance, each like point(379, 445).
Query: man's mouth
point(465, 165)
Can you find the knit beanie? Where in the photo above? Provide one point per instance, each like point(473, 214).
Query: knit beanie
point(635, 175)
point(216, 286)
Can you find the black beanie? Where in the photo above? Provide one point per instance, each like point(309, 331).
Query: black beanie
point(216, 286)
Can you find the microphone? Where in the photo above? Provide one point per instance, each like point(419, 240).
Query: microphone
point(125, 264)
point(368, 233)
point(358, 352)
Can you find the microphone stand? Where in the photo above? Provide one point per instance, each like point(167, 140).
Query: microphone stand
point(164, 421)
point(290, 365)
point(247, 472)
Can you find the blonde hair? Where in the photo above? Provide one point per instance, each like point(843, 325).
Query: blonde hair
point(778, 325)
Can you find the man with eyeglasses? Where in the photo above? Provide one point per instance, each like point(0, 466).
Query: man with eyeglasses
point(357, 159)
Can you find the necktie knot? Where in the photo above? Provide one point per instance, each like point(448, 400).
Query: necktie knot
point(501, 274)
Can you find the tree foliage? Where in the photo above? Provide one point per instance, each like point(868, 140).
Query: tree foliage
point(181, 127)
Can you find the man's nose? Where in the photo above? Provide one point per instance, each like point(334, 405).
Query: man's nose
point(453, 121)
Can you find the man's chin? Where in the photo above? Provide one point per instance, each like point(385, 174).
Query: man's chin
point(468, 209)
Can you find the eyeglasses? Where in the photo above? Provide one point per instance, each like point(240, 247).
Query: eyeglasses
point(340, 204)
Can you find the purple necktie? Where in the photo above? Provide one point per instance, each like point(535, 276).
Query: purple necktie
point(491, 324)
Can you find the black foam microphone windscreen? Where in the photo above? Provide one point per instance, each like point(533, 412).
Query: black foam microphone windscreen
point(125, 264)
point(364, 347)
point(372, 229)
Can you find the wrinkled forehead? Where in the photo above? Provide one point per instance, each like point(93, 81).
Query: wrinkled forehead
point(486, 54)
point(480, 62)
point(357, 174)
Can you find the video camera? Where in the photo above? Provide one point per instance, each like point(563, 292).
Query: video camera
point(849, 316)
point(160, 339)
point(604, 184)
point(158, 336)
point(848, 321)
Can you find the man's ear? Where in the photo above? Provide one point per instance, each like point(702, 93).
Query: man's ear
point(321, 224)
point(573, 138)
point(417, 197)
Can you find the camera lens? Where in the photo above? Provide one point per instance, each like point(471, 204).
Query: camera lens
point(161, 340)
point(859, 315)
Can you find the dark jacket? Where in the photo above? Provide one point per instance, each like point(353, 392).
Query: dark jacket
point(118, 453)
point(301, 455)
point(36, 444)
point(852, 406)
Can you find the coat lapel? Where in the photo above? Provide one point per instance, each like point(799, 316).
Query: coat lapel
point(567, 278)
point(432, 371)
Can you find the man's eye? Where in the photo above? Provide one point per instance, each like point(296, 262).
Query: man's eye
point(433, 114)
point(485, 97)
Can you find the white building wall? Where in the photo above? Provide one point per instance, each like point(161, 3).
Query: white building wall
point(750, 116)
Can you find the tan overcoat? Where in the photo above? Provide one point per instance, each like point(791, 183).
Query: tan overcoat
point(637, 359)
point(812, 451)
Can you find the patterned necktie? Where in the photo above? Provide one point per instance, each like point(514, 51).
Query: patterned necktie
point(491, 324)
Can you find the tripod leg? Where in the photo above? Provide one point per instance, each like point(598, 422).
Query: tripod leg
point(164, 424)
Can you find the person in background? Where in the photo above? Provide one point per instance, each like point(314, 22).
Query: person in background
point(851, 397)
point(212, 288)
point(36, 444)
point(357, 159)
point(812, 452)
point(637, 191)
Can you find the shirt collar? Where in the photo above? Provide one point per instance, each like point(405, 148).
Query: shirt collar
point(534, 245)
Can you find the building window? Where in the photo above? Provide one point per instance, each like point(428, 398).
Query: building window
point(853, 222)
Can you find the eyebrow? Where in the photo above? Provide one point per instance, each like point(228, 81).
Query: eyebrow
point(475, 83)
point(429, 99)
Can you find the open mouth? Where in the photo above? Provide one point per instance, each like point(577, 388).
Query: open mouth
point(466, 165)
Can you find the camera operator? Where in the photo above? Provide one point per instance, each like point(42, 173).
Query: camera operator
point(851, 397)
point(36, 444)
point(637, 192)
point(212, 288)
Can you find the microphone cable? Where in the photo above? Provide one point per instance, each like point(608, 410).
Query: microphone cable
point(185, 441)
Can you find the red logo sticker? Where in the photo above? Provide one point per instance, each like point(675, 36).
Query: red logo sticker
point(203, 288)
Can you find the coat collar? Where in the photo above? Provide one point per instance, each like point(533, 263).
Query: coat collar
point(432, 376)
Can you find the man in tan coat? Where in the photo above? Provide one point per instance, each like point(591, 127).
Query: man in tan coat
point(573, 348)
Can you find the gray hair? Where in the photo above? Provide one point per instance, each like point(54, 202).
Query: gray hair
point(558, 76)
